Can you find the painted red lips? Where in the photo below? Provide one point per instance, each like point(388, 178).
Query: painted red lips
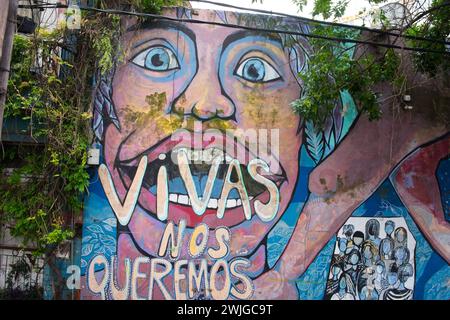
point(200, 154)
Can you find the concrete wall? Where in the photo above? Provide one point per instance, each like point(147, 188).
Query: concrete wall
point(358, 210)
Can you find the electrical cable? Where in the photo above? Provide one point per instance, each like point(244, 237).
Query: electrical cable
point(235, 26)
point(335, 24)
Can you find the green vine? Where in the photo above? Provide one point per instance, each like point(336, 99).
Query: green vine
point(430, 62)
point(41, 197)
point(332, 66)
point(154, 6)
point(48, 185)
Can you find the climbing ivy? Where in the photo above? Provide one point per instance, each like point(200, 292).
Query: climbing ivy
point(42, 196)
point(438, 27)
point(154, 6)
point(333, 67)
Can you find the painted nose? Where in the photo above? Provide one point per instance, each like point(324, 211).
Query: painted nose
point(205, 98)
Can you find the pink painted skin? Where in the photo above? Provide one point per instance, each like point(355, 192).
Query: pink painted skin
point(132, 84)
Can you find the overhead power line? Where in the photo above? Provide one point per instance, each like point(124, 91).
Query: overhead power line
point(235, 26)
point(335, 24)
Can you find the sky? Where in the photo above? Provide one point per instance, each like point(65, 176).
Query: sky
point(282, 6)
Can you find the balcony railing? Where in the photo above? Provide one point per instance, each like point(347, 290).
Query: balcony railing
point(20, 270)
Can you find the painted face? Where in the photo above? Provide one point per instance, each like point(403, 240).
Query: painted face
point(358, 240)
point(354, 259)
point(406, 273)
point(336, 270)
point(400, 255)
point(342, 244)
point(392, 278)
point(367, 253)
point(342, 284)
point(400, 235)
point(348, 230)
point(372, 228)
point(389, 228)
point(380, 269)
point(225, 78)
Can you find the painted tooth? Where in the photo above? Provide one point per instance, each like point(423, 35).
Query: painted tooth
point(189, 154)
point(198, 155)
point(212, 203)
point(173, 197)
point(217, 153)
point(231, 203)
point(239, 202)
point(175, 153)
point(207, 155)
point(250, 198)
point(183, 199)
point(194, 155)
point(174, 156)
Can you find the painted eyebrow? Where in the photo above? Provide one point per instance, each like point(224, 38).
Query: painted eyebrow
point(140, 43)
point(149, 25)
point(244, 34)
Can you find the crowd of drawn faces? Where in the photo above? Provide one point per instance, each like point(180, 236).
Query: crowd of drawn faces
point(370, 268)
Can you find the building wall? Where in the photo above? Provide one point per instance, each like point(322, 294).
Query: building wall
point(15, 131)
point(337, 213)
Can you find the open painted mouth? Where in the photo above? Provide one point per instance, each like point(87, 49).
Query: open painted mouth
point(200, 161)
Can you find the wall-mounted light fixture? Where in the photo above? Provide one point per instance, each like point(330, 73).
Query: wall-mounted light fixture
point(406, 100)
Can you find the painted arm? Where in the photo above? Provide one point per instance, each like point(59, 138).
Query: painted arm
point(342, 183)
point(415, 182)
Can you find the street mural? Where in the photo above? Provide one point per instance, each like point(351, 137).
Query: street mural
point(210, 187)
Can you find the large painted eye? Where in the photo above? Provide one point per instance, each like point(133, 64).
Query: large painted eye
point(256, 70)
point(157, 58)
